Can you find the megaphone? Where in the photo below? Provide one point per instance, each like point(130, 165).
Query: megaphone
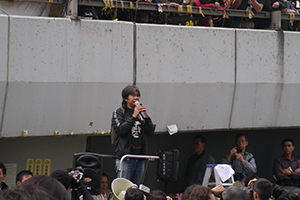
point(119, 187)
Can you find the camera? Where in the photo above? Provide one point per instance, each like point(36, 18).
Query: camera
point(239, 150)
point(249, 189)
point(76, 176)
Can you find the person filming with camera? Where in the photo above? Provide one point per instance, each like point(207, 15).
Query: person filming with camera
point(242, 162)
point(263, 189)
point(73, 180)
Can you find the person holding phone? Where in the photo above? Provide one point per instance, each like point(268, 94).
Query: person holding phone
point(242, 162)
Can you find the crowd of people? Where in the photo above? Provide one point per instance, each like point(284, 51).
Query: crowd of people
point(250, 6)
point(55, 187)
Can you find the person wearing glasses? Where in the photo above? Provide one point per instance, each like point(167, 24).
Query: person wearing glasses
point(242, 162)
point(196, 166)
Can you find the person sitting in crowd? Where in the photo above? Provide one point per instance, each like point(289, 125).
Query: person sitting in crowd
point(3, 186)
point(68, 181)
point(133, 193)
point(263, 189)
point(51, 185)
point(31, 192)
point(234, 193)
point(105, 192)
point(286, 168)
point(23, 176)
point(242, 162)
point(156, 195)
point(198, 192)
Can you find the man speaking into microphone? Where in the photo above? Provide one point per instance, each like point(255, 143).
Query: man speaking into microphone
point(131, 123)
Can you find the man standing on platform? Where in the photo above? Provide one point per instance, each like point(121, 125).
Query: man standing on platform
point(131, 123)
point(196, 166)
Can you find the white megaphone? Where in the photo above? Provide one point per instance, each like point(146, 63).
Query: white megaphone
point(119, 187)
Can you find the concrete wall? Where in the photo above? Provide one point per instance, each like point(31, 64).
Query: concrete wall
point(67, 76)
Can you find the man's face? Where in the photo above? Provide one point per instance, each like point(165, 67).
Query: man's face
point(2, 176)
point(198, 146)
point(241, 143)
point(24, 178)
point(288, 148)
point(131, 99)
point(104, 184)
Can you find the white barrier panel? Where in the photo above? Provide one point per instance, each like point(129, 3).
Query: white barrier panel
point(289, 108)
point(3, 60)
point(186, 75)
point(266, 86)
point(65, 75)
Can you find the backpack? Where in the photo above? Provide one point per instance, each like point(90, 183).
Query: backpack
point(112, 130)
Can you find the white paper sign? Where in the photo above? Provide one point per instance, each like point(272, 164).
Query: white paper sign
point(172, 129)
point(224, 171)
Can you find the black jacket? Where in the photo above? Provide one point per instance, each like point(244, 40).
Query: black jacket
point(122, 125)
point(4, 186)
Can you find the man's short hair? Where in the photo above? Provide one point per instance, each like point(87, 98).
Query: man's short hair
point(133, 193)
point(240, 135)
point(156, 195)
point(234, 193)
point(263, 188)
point(3, 168)
point(196, 192)
point(201, 137)
point(22, 173)
point(287, 140)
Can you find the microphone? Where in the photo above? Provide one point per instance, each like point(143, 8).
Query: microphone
point(142, 115)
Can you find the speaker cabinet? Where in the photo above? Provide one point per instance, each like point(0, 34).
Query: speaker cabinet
point(168, 165)
point(92, 164)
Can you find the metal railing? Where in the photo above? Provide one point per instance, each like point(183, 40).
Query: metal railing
point(149, 158)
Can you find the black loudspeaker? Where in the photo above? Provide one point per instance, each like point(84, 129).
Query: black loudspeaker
point(168, 165)
point(92, 164)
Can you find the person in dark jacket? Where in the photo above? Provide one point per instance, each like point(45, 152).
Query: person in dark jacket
point(3, 186)
point(131, 128)
point(196, 166)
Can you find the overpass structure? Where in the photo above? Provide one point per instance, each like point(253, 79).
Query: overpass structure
point(64, 77)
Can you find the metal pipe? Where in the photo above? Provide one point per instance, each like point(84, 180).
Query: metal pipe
point(135, 156)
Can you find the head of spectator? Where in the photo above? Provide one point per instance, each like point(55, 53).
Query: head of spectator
point(130, 94)
point(288, 146)
point(133, 193)
point(241, 142)
point(62, 177)
point(156, 195)
point(50, 184)
point(2, 176)
point(23, 176)
point(197, 192)
point(262, 189)
point(199, 142)
point(234, 193)
point(32, 192)
point(104, 183)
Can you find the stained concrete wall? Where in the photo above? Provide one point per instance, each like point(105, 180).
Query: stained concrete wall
point(66, 75)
